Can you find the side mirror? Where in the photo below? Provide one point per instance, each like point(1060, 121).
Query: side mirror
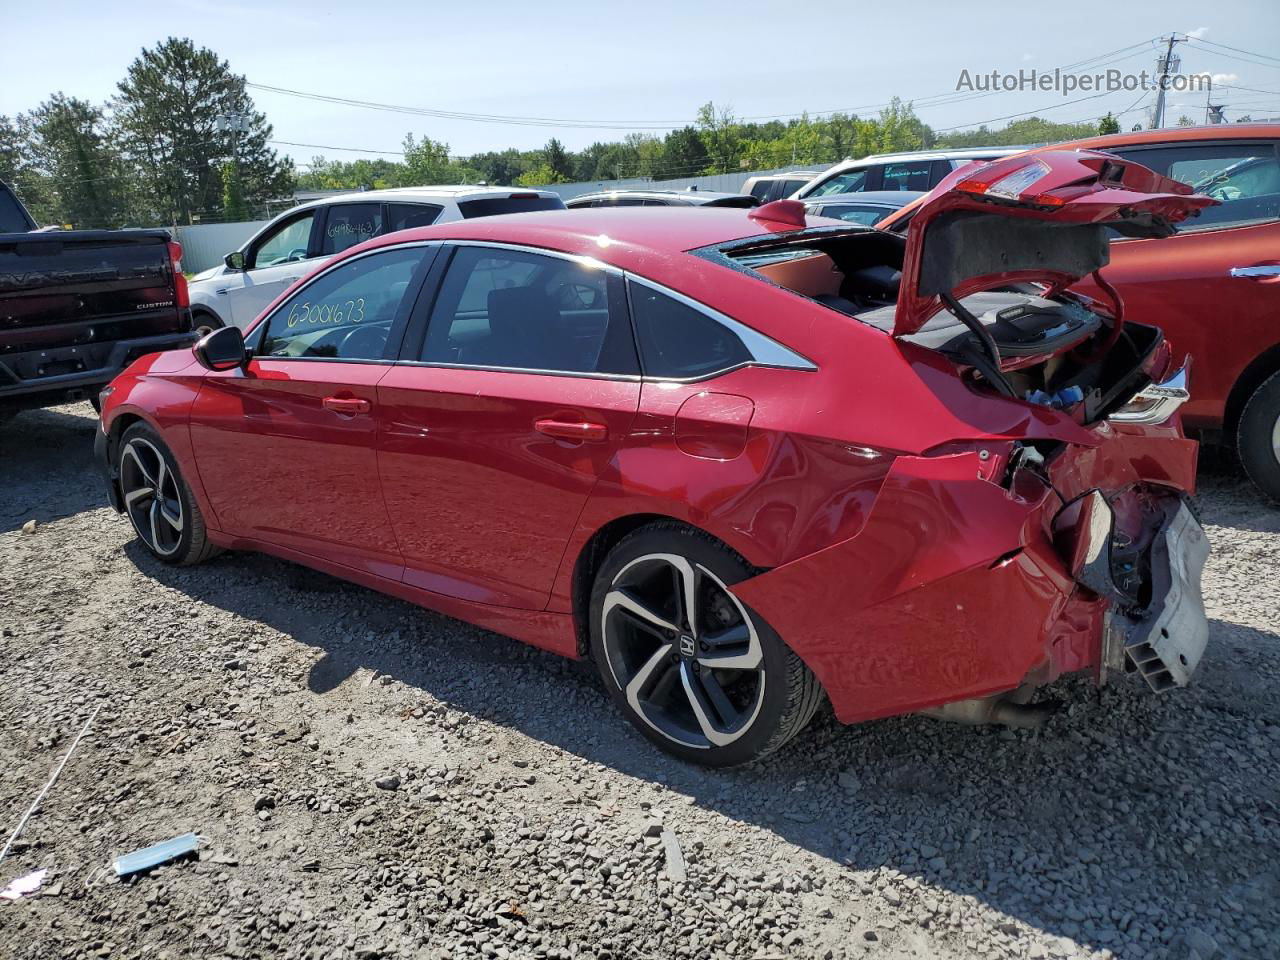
point(235, 261)
point(223, 349)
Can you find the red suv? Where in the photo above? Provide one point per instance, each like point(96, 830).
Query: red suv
point(1214, 286)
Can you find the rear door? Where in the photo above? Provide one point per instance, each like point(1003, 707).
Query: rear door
point(1214, 287)
point(516, 387)
point(286, 448)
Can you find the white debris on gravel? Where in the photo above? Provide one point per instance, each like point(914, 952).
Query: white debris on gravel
point(484, 799)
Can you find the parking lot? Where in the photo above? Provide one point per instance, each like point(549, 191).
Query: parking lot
point(371, 779)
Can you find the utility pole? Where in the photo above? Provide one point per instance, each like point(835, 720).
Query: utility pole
point(235, 124)
point(1164, 66)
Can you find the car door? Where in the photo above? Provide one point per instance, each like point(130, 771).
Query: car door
point(287, 447)
point(516, 388)
point(1213, 287)
point(274, 259)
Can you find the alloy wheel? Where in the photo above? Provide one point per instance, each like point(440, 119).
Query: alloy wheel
point(683, 650)
point(151, 496)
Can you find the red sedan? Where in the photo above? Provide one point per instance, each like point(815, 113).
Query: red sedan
point(743, 461)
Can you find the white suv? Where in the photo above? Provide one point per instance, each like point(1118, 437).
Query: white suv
point(304, 236)
point(923, 170)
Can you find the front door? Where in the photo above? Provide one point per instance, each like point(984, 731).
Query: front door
point(512, 400)
point(274, 260)
point(287, 448)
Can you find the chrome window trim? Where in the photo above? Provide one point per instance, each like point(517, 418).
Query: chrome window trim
point(259, 328)
point(764, 350)
point(578, 258)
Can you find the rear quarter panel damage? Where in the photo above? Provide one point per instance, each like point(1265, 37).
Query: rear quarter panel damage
point(951, 590)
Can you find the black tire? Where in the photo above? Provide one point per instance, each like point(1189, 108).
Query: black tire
point(204, 322)
point(681, 703)
point(1258, 437)
point(170, 525)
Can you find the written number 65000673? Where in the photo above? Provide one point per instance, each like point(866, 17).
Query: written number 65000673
point(344, 311)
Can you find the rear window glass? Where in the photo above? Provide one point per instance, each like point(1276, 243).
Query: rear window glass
point(12, 218)
point(406, 216)
point(517, 203)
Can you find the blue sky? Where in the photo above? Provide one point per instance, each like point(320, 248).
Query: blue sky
point(642, 65)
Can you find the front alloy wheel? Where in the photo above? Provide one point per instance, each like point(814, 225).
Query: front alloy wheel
point(692, 667)
point(158, 501)
point(151, 496)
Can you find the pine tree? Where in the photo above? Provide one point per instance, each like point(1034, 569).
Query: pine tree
point(167, 118)
point(74, 175)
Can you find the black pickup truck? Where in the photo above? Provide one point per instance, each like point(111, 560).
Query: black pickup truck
point(78, 306)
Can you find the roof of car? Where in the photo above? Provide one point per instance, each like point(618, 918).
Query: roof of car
point(791, 175)
point(633, 238)
point(425, 194)
point(1217, 131)
point(888, 198)
point(941, 153)
point(692, 196)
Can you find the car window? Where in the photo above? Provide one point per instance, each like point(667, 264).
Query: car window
point(791, 186)
point(868, 216)
point(914, 175)
point(526, 311)
point(347, 224)
point(12, 219)
point(1245, 177)
point(679, 341)
point(406, 216)
point(760, 189)
point(515, 203)
point(347, 313)
point(288, 242)
point(851, 181)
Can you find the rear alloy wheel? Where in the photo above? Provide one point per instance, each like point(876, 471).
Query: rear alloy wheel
point(158, 501)
point(1258, 437)
point(692, 667)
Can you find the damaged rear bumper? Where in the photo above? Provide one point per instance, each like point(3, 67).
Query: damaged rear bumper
point(1164, 642)
point(961, 588)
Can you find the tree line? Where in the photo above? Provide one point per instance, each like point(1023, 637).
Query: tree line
point(181, 142)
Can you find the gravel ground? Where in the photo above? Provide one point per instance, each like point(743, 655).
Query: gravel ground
point(370, 779)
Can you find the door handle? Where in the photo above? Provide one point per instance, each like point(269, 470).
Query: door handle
point(347, 405)
point(1260, 272)
point(572, 430)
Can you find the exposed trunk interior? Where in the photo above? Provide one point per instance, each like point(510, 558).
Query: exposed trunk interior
point(1045, 346)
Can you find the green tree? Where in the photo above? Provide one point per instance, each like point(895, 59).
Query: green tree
point(684, 154)
point(539, 176)
point(1108, 125)
point(722, 137)
point(1185, 121)
point(167, 114)
point(80, 179)
point(558, 160)
point(427, 162)
point(233, 205)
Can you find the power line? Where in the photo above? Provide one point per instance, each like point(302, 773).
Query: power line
point(942, 99)
point(1262, 56)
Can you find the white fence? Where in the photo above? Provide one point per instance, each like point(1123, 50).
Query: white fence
point(205, 244)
